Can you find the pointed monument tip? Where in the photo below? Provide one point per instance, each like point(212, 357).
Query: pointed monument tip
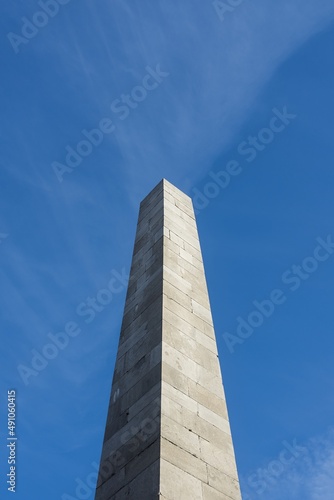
point(164, 185)
point(166, 182)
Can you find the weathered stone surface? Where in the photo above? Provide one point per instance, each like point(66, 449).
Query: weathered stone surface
point(210, 380)
point(207, 398)
point(144, 485)
point(189, 346)
point(214, 419)
point(223, 483)
point(139, 428)
point(182, 325)
point(218, 458)
point(179, 397)
point(179, 361)
point(167, 435)
point(181, 436)
point(185, 461)
point(186, 314)
point(210, 493)
point(176, 483)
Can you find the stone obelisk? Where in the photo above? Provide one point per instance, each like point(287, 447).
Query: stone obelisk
point(167, 434)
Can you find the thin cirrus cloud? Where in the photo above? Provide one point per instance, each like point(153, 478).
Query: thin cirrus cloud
point(216, 70)
point(310, 476)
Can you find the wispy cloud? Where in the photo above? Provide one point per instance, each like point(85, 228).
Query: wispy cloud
point(310, 476)
point(217, 69)
point(320, 472)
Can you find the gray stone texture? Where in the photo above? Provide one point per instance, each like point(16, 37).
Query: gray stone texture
point(167, 433)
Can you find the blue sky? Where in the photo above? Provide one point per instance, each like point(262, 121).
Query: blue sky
point(216, 77)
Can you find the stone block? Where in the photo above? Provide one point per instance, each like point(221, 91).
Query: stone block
point(195, 252)
point(176, 484)
point(179, 361)
point(178, 397)
point(175, 261)
point(153, 218)
point(214, 419)
point(114, 482)
point(180, 415)
point(176, 193)
point(150, 316)
point(127, 456)
point(151, 396)
point(181, 232)
point(181, 227)
point(207, 398)
point(140, 349)
point(210, 379)
point(140, 285)
point(154, 206)
point(176, 212)
point(183, 205)
point(144, 486)
point(175, 294)
point(188, 257)
point(223, 483)
point(141, 301)
point(218, 458)
point(149, 263)
point(137, 371)
point(175, 378)
point(185, 461)
point(136, 331)
point(151, 199)
point(182, 325)
point(210, 493)
point(188, 316)
point(142, 386)
point(202, 312)
point(212, 434)
point(172, 245)
point(177, 240)
point(143, 422)
point(188, 346)
point(180, 435)
point(143, 460)
point(176, 280)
